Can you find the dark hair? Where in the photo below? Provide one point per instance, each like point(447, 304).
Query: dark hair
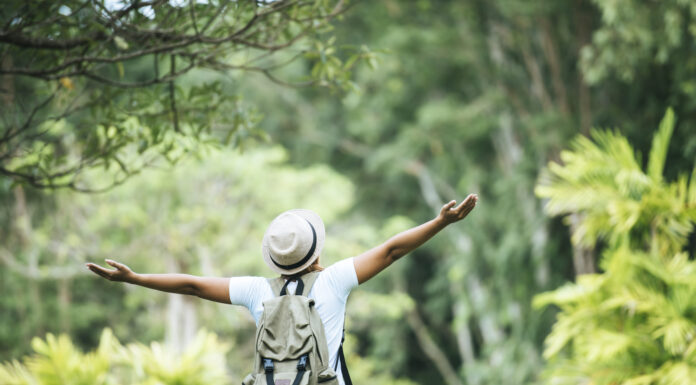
point(316, 266)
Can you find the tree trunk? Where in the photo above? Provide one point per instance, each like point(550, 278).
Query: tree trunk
point(7, 89)
point(548, 45)
point(583, 258)
point(22, 228)
point(64, 303)
point(491, 332)
point(182, 322)
point(583, 32)
point(510, 153)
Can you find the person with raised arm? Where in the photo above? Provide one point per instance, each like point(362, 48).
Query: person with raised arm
point(291, 247)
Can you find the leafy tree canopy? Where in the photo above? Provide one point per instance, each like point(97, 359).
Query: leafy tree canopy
point(120, 85)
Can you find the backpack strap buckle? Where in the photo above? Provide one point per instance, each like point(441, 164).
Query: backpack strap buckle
point(268, 365)
point(302, 363)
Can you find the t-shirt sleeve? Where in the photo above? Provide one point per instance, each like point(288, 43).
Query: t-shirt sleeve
point(245, 291)
point(341, 277)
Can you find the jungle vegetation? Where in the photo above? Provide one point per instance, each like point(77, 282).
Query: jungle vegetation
point(167, 134)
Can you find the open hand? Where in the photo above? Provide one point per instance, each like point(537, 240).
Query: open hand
point(122, 273)
point(450, 214)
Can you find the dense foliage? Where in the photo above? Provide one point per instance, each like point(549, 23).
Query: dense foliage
point(94, 86)
point(57, 361)
point(635, 322)
point(479, 96)
point(462, 96)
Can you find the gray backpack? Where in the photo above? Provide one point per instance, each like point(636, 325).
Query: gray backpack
point(290, 341)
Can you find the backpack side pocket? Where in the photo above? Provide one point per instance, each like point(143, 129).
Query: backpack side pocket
point(327, 377)
point(286, 378)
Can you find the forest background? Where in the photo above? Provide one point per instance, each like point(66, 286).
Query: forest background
point(168, 134)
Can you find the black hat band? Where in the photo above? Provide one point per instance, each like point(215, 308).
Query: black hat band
point(306, 257)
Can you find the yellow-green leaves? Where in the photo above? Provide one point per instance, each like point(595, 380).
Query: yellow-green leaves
point(660, 144)
point(601, 179)
point(58, 362)
point(120, 43)
point(636, 322)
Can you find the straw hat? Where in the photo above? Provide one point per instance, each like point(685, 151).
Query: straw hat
point(293, 241)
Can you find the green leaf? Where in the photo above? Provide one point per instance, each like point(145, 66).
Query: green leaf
point(660, 145)
point(691, 194)
point(121, 43)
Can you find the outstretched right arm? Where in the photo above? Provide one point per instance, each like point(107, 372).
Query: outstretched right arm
point(210, 288)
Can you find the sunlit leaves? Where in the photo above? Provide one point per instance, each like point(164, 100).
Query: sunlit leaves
point(636, 322)
point(202, 363)
point(601, 178)
point(660, 145)
point(57, 362)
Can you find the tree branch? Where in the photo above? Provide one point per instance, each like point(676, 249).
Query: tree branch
point(200, 36)
point(431, 348)
point(9, 134)
point(194, 20)
point(551, 52)
point(172, 42)
point(172, 98)
point(44, 43)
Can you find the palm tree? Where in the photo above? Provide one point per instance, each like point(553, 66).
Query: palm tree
point(634, 323)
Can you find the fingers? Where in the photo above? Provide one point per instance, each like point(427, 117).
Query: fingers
point(454, 214)
point(117, 265)
point(466, 211)
point(99, 270)
point(465, 207)
point(467, 203)
point(448, 206)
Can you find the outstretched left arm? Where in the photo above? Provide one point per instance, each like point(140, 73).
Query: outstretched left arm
point(371, 262)
point(210, 288)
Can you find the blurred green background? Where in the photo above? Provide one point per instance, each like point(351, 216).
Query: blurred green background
point(168, 134)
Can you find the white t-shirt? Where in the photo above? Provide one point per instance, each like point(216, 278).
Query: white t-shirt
point(330, 293)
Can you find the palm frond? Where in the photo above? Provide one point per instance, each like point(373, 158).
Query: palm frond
point(14, 373)
point(57, 362)
point(660, 144)
point(635, 323)
point(691, 195)
point(677, 373)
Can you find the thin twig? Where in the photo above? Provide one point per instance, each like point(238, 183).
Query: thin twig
point(172, 98)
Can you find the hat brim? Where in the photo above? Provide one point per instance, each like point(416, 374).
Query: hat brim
point(318, 225)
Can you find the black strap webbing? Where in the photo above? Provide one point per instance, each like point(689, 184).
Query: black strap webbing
point(301, 367)
point(298, 377)
point(268, 367)
point(344, 368)
point(298, 291)
point(342, 359)
point(308, 280)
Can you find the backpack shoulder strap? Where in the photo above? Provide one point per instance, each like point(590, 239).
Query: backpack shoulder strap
point(341, 359)
point(276, 285)
point(279, 284)
point(308, 280)
point(344, 368)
